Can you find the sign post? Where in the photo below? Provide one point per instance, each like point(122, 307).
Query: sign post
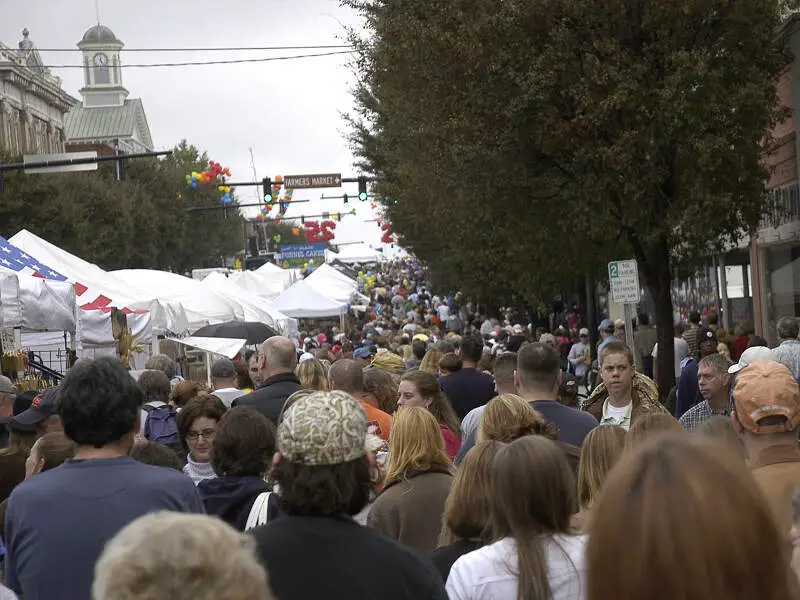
point(319, 180)
point(623, 276)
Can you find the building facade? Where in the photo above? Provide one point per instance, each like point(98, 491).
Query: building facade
point(106, 120)
point(32, 103)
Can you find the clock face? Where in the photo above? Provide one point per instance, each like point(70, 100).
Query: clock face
point(101, 60)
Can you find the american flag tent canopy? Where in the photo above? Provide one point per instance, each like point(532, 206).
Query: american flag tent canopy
point(98, 291)
point(32, 296)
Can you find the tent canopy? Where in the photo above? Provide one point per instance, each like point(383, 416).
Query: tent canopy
point(36, 304)
point(357, 253)
point(94, 287)
point(330, 282)
point(255, 307)
point(302, 301)
point(202, 305)
point(258, 284)
point(228, 347)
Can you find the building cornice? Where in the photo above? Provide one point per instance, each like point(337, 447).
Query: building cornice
point(39, 87)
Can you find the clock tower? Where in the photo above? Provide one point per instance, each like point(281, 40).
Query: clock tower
point(102, 69)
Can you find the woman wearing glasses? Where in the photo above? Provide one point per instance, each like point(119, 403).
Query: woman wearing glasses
point(197, 426)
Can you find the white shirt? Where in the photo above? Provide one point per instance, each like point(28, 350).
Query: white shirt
point(617, 415)
point(443, 311)
point(228, 395)
point(681, 349)
point(484, 574)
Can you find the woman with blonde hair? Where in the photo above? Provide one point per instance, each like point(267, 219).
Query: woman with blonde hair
point(418, 388)
point(508, 417)
point(312, 375)
point(430, 362)
point(691, 518)
point(465, 526)
point(418, 480)
point(535, 556)
point(601, 450)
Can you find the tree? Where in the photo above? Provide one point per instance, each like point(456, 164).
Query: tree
point(642, 124)
point(140, 222)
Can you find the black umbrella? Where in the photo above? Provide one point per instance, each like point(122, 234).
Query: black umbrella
point(252, 331)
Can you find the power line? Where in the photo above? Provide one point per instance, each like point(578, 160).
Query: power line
point(211, 62)
point(214, 48)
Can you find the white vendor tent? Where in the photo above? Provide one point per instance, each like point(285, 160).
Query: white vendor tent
point(276, 273)
point(357, 253)
point(203, 305)
point(97, 291)
point(36, 304)
point(228, 347)
point(259, 284)
point(255, 307)
point(333, 284)
point(302, 301)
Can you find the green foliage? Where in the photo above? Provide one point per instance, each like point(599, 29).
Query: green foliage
point(141, 222)
point(530, 141)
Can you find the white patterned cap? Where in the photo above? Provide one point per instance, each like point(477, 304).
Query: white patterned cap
point(324, 428)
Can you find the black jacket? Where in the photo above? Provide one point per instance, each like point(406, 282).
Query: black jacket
point(270, 397)
point(231, 498)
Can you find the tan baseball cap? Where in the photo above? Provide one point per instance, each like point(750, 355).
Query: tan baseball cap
point(766, 388)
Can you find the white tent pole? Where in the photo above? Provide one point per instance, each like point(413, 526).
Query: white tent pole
point(208, 367)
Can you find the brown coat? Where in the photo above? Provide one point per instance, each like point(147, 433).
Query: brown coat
point(410, 510)
point(777, 472)
point(644, 395)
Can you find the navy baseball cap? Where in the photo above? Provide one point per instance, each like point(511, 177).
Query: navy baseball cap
point(44, 405)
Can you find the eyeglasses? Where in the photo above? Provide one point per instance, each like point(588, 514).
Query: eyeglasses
point(208, 434)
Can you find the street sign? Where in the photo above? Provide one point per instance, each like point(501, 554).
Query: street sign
point(31, 160)
point(296, 256)
point(624, 279)
point(324, 180)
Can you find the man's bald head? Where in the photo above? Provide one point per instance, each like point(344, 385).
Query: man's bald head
point(277, 355)
point(347, 375)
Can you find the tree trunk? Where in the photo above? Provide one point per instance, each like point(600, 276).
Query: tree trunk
point(591, 313)
point(659, 283)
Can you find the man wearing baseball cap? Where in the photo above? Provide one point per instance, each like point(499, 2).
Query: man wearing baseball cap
point(766, 417)
point(42, 414)
point(317, 549)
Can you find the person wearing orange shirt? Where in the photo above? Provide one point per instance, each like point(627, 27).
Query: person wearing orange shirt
point(347, 376)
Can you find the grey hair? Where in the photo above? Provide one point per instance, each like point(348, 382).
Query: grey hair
point(788, 328)
point(161, 362)
point(719, 362)
point(177, 556)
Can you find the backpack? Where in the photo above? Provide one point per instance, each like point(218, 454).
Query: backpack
point(162, 428)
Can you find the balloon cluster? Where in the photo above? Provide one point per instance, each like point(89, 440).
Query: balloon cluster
point(366, 281)
point(215, 173)
point(226, 197)
point(275, 198)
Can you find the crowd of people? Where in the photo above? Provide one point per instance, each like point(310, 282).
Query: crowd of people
point(410, 456)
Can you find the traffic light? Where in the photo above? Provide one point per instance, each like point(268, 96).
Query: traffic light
point(362, 189)
point(266, 184)
point(344, 197)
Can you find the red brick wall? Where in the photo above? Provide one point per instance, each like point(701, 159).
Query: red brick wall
point(783, 161)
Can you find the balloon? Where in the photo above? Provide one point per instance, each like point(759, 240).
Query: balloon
point(194, 185)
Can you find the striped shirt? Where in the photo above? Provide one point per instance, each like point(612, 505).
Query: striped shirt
point(690, 335)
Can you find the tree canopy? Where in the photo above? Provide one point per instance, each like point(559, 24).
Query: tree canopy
point(140, 222)
point(528, 142)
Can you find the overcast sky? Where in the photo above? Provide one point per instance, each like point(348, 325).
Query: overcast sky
point(288, 112)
